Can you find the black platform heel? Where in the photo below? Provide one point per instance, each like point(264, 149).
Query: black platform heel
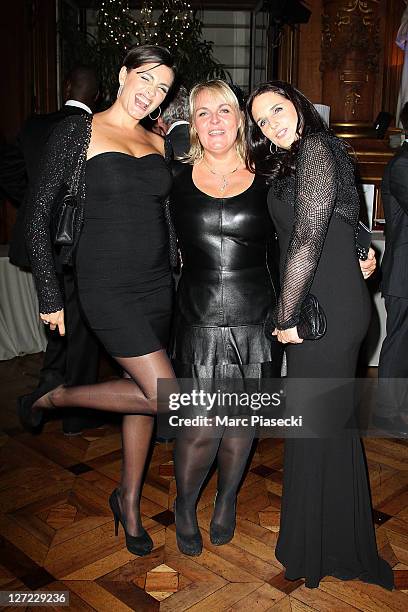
point(219, 534)
point(137, 545)
point(191, 545)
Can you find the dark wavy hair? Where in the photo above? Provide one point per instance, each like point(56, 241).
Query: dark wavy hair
point(148, 54)
point(283, 162)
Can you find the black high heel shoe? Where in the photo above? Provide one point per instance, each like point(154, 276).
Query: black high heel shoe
point(137, 545)
point(192, 544)
point(219, 534)
point(30, 418)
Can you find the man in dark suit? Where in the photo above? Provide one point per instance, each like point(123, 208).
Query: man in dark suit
point(72, 358)
point(174, 124)
point(392, 408)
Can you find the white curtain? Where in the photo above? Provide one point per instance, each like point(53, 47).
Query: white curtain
point(21, 331)
point(324, 112)
point(402, 42)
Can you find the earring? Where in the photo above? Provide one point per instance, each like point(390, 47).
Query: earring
point(119, 91)
point(273, 152)
point(155, 118)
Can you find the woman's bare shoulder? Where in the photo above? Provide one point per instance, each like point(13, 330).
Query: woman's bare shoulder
point(156, 141)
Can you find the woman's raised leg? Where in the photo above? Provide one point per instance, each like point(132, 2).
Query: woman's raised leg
point(134, 395)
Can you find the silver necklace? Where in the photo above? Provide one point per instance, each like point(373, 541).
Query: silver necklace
point(224, 182)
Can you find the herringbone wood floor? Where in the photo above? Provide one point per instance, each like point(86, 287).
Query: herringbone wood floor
point(56, 531)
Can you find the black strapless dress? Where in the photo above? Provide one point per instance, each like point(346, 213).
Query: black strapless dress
point(226, 293)
point(122, 260)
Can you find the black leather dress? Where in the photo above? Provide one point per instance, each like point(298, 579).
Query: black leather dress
point(226, 292)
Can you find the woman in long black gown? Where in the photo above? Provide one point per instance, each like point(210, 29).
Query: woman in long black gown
point(224, 297)
point(326, 523)
point(122, 262)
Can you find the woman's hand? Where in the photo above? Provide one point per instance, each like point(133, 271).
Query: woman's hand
point(369, 265)
point(287, 336)
point(54, 320)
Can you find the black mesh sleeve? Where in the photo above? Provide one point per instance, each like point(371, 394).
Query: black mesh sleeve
point(56, 160)
point(315, 197)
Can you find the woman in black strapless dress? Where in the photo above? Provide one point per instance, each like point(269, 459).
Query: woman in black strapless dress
point(326, 523)
point(122, 262)
point(224, 297)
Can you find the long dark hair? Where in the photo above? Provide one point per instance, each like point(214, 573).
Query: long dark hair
point(148, 54)
point(281, 163)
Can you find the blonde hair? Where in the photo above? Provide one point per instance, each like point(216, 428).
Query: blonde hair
point(216, 86)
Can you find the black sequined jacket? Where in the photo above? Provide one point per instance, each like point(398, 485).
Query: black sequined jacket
point(65, 156)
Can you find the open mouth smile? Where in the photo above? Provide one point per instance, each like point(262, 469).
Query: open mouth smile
point(142, 102)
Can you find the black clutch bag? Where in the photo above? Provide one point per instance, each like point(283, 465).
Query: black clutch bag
point(312, 323)
point(63, 218)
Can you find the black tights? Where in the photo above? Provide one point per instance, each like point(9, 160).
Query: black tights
point(135, 396)
point(194, 455)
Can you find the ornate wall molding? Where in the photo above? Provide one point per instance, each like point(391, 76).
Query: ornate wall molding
point(354, 27)
point(351, 57)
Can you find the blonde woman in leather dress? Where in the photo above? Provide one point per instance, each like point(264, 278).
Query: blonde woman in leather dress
point(224, 297)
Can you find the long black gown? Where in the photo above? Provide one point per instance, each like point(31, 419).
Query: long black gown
point(326, 521)
point(122, 260)
point(226, 292)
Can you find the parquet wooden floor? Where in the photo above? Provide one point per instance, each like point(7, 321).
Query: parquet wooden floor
point(56, 532)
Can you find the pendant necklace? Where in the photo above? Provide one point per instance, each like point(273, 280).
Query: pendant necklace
point(224, 182)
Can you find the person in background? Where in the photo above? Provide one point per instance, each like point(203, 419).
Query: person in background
point(174, 125)
point(75, 356)
point(392, 407)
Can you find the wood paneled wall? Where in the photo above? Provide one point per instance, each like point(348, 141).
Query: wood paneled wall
point(358, 38)
point(347, 58)
point(352, 58)
point(310, 54)
point(29, 74)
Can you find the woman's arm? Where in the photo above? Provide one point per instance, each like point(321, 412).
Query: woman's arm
point(315, 196)
point(57, 159)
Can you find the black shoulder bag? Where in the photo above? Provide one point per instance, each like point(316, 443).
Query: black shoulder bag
point(63, 220)
point(66, 209)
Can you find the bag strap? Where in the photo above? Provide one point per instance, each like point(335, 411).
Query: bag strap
point(77, 173)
